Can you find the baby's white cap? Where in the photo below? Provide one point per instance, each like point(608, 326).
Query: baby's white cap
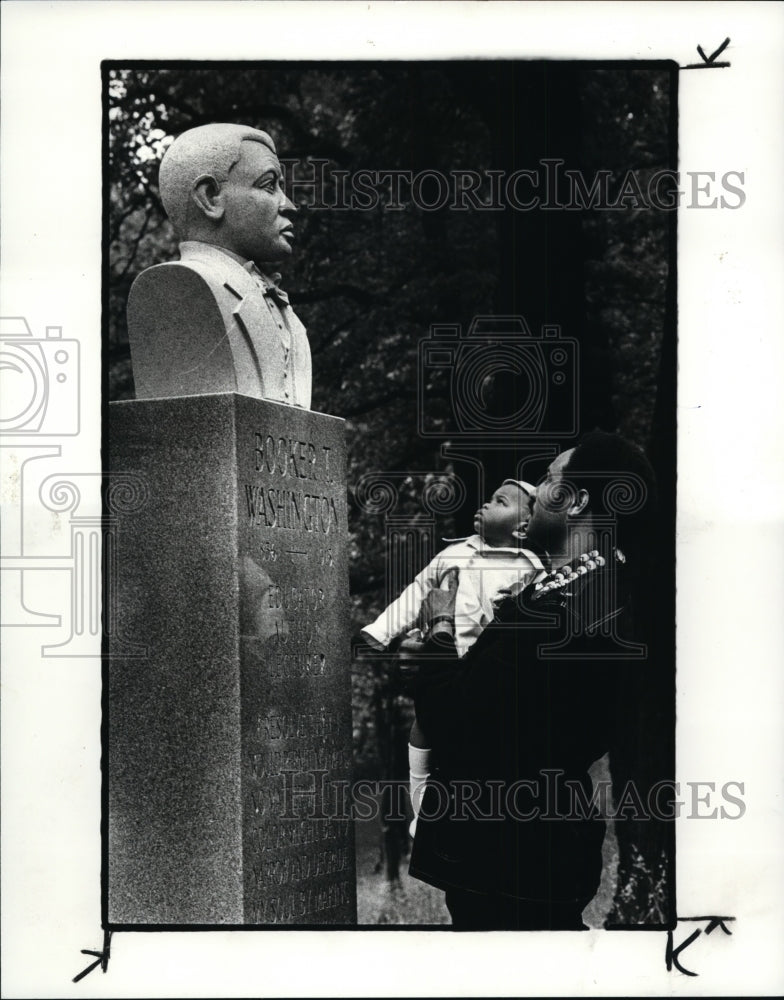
point(527, 487)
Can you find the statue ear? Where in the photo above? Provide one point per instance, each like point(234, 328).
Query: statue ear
point(206, 193)
point(580, 503)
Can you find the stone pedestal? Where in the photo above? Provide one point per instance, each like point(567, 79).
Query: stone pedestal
point(228, 740)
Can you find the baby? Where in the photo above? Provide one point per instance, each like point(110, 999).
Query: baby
point(485, 564)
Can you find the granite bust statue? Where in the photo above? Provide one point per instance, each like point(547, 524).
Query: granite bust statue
point(216, 320)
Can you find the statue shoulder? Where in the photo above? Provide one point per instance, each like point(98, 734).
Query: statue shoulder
point(191, 276)
point(177, 322)
point(173, 293)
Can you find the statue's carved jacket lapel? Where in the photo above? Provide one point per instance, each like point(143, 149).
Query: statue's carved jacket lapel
point(256, 343)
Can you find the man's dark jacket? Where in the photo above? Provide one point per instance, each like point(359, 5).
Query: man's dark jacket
point(514, 728)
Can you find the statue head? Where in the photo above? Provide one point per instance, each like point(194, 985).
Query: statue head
point(222, 184)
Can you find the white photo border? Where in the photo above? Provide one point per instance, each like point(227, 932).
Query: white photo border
point(730, 485)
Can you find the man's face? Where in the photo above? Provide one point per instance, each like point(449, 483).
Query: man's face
point(547, 526)
point(257, 214)
point(504, 513)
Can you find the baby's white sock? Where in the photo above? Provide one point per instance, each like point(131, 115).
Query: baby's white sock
point(419, 772)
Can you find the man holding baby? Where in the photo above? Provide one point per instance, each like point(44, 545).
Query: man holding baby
point(507, 826)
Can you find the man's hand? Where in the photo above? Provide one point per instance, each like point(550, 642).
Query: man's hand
point(436, 620)
point(437, 614)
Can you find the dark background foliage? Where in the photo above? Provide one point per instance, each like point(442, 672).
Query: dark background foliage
point(369, 284)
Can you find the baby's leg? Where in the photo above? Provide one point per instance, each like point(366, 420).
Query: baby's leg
point(417, 737)
point(418, 770)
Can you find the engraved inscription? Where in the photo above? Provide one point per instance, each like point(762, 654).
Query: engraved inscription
point(284, 456)
point(297, 504)
point(290, 906)
point(298, 852)
point(299, 867)
point(297, 662)
point(293, 509)
point(272, 763)
point(269, 552)
point(296, 598)
point(309, 725)
point(300, 795)
point(274, 836)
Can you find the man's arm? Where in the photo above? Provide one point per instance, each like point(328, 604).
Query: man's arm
point(455, 698)
point(459, 700)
